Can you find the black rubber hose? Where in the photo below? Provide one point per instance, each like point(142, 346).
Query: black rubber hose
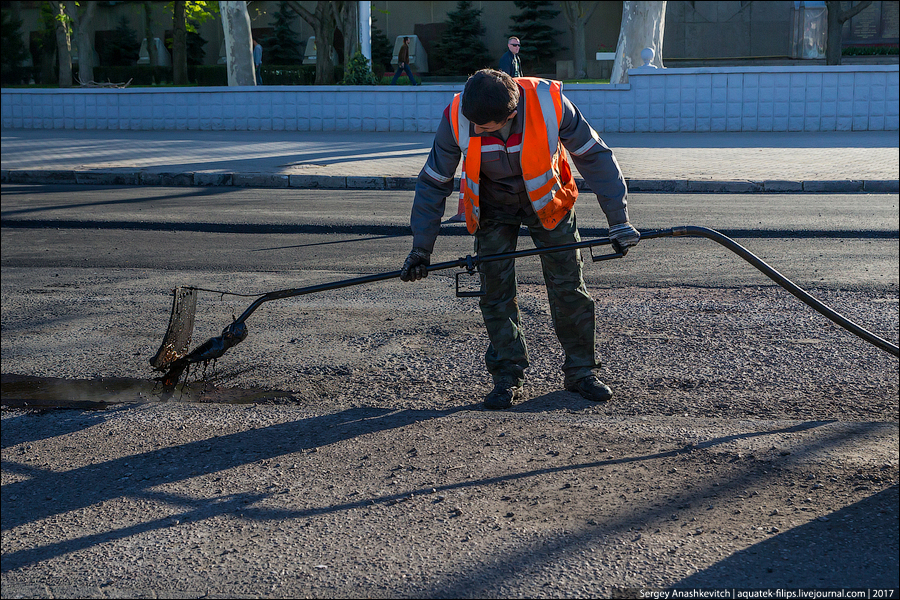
point(236, 332)
point(818, 306)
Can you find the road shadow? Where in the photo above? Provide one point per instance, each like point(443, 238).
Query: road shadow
point(856, 546)
point(850, 556)
point(43, 493)
point(231, 152)
point(33, 426)
point(180, 195)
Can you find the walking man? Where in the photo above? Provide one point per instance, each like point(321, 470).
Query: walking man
point(403, 64)
point(512, 136)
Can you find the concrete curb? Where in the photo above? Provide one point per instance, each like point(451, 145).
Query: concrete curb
point(332, 182)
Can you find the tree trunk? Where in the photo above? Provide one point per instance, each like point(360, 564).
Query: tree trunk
point(578, 45)
point(643, 25)
point(577, 15)
point(832, 49)
point(836, 19)
point(179, 45)
point(347, 18)
point(48, 57)
point(63, 45)
point(322, 23)
point(84, 30)
point(238, 44)
point(148, 34)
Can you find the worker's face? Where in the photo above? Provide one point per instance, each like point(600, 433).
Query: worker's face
point(513, 46)
point(492, 126)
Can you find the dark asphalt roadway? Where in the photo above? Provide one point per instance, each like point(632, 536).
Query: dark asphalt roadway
point(818, 240)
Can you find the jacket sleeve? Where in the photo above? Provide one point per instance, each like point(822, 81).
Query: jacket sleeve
point(596, 163)
point(506, 64)
point(434, 184)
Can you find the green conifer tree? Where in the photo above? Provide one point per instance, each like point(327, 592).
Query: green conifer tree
point(461, 48)
point(195, 43)
point(382, 51)
point(46, 45)
point(539, 40)
point(283, 47)
point(123, 47)
point(14, 51)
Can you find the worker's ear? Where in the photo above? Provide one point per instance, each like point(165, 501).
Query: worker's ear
point(512, 115)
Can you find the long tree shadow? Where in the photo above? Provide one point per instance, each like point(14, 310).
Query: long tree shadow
point(33, 426)
point(136, 475)
point(232, 153)
point(194, 192)
point(91, 484)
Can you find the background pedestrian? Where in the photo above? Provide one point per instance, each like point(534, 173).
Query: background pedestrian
point(403, 64)
point(509, 62)
point(257, 61)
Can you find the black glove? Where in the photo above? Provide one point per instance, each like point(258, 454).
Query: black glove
point(415, 265)
point(624, 236)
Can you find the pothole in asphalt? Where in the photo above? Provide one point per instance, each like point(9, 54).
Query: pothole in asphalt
point(44, 393)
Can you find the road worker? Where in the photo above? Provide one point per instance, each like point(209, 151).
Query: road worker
point(512, 135)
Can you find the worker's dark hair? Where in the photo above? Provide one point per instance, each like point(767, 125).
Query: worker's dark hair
point(490, 96)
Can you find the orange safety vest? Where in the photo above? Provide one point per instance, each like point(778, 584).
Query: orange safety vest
point(548, 177)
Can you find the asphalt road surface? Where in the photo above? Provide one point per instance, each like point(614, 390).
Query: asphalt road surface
point(342, 451)
point(820, 240)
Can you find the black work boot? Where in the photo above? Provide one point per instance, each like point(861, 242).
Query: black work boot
point(590, 388)
point(506, 390)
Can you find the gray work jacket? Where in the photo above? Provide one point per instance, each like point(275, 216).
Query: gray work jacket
point(502, 187)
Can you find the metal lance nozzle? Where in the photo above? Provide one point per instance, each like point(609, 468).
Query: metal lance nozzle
point(215, 347)
point(212, 349)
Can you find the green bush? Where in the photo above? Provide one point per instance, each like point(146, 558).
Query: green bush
point(208, 75)
point(870, 50)
point(293, 74)
point(201, 75)
point(16, 75)
point(358, 71)
point(288, 74)
point(402, 80)
point(138, 74)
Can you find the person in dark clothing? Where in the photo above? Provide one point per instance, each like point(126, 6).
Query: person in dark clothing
point(513, 136)
point(509, 62)
point(403, 64)
point(257, 61)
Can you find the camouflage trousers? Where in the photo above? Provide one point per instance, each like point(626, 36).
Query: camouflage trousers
point(571, 306)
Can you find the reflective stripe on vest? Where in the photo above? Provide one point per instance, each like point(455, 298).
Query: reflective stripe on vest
point(545, 168)
point(469, 189)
